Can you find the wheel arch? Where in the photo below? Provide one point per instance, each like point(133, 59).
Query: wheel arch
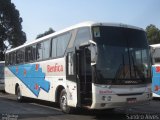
point(58, 92)
point(16, 86)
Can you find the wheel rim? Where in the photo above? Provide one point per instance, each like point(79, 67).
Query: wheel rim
point(64, 102)
point(18, 97)
point(18, 94)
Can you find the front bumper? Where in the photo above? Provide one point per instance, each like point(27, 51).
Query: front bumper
point(120, 101)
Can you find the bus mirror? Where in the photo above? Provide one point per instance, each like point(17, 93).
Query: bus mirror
point(85, 44)
point(92, 42)
point(93, 54)
point(93, 47)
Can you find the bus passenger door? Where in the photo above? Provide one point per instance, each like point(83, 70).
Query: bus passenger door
point(71, 84)
point(84, 78)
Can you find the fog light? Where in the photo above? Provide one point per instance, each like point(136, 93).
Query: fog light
point(103, 104)
point(103, 98)
point(109, 98)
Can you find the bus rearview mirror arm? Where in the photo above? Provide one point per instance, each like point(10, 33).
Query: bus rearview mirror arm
point(86, 44)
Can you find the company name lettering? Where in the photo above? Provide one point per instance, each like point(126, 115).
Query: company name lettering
point(105, 91)
point(55, 68)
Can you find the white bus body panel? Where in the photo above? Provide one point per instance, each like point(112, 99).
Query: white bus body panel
point(55, 74)
point(52, 76)
point(71, 93)
point(107, 97)
point(155, 95)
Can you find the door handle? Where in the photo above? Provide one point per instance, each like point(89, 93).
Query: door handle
point(61, 79)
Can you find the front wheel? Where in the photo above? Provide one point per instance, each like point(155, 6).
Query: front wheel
point(63, 102)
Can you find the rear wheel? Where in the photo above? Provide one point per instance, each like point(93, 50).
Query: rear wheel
point(63, 102)
point(19, 95)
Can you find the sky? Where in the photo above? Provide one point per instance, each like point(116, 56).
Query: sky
point(40, 15)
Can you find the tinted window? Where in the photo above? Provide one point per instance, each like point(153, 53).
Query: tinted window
point(62, 43)
point(12, 58)
point(54, 44)
point(46, 49)
point(83, 35)
point(122, 55)
point(20, 56)
point(33, 53)
point(156, 55)
point(39, 51)
point(27, 54)
point(121, 37)
point(70, 60)
point(2, 70)
point(30, 53)
point(7, 59)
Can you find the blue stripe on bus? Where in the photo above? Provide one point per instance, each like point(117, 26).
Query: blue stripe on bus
point(32, 76)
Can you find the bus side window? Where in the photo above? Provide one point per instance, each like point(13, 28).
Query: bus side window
point(7, 59)
point(10, 60)
point(39, 53)
point(70, 64)
point(156, 56)
point(20, 56)
point(27, 54)
point(33, 53)
point(46, 49)
point(54, 48)
point(12, 57)
point(62, 43)
point(83, 35)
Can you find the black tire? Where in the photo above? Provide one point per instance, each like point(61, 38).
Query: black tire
point(63, 102)
point(19, 95)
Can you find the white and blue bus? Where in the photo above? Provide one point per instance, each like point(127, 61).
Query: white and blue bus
point(93, 65)
point(155, 52)
point(2, 64)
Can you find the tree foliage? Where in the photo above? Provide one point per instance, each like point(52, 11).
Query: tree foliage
point(153, 34)
point(11, 34)
point(45, 33)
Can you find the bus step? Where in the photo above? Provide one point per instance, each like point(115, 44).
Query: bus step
point(87, 99)
point(86, 92)
point(87, 106)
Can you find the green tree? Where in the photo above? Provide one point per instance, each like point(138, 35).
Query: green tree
point(45, 33)
point(11, 34)
point(153, 34)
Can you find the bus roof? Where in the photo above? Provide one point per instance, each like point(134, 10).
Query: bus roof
point(2, 61)
point(155, 45)
point(84, 24)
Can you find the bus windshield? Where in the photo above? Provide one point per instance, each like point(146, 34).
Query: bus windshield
point(123, 55)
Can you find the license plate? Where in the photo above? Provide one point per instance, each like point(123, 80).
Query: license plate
point(131, 100)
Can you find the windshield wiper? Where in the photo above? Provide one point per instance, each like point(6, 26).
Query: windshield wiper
point(137, 70)
point(117, 72)
point(120, 68)
point(133, 65)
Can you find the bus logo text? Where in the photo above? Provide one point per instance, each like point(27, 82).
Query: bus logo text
point(55, 68)
point(105, 91)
